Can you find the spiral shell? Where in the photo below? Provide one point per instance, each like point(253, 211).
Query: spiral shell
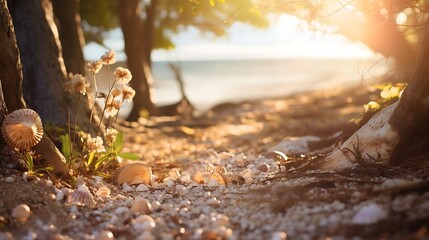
point(82, 196)
point(134, 173)
point(22, 129)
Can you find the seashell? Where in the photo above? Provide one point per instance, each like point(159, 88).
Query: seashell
point(134, 173)
point(211, 172)
point(82, 196)
point(277, 155)
point(141, 205)
point(237, 179)
point(21, 212)
point(369, 214)
point(22, 129)
point(103, 192)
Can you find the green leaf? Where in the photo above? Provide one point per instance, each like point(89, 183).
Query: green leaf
point(130, 156)
point(91, 158)
point(212, 3)
point(118, 144)
point(66, 146)
point(103, 159)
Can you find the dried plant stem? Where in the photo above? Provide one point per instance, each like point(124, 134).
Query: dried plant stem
point(69, 131)
point(75, 119)
point(105, 106)
point(95, 84)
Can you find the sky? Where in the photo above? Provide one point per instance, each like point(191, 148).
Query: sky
point(285, 38)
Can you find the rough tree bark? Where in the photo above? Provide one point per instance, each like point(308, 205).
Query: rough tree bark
point(43, 65)
point(398, 132)
point(71, 34)
point(11, 79)
point(132, 27)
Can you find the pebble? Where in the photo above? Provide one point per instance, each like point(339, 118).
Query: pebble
point(146, 236)
point(127, 188)
point(185, 178)
point(25, 176)
point(142, 188)
point(120, 210)
point(10, 179)
point(104, 235)
point(141, 205)
point(263, 167)
point(174, 173)
point(145, 223)
point(180, 188)
point(279, 235)
point(214, 202)
point(21, 212)
point(49, 183)
point(169, 183)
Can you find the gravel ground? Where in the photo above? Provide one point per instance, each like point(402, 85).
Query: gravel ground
point(218, 177)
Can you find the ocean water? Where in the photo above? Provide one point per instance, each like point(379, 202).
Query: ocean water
point(208, 83)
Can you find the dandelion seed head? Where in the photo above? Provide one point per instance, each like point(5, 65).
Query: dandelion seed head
point(123, 75)
point(77, 84)
point(128, 93)
point(108, 57)
point(94, 66)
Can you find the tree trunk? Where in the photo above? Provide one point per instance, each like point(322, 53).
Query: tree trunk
point(11, 79)
point(10, 63)
point(71, 35)
point(43, 68)
point(43, 65)
point(132, 28)
point(398, 132)
point(149, 31)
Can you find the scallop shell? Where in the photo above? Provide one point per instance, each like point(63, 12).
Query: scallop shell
point(210, 172)
point(82, 196)
point(369, 214)
point(103, 192)
point(22, 129)
point(21, 212)
point(134, 173)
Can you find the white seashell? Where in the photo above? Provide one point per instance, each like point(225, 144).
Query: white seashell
point(22, 129)
point(134, 173)
point(142, 188)
point(369, 214)
point(104, 235)
point(141, 205)
point(21, 212)
point(103, 192)
point(82, 196)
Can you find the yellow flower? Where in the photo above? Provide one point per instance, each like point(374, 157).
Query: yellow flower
point(95, 144)
point(108, 57)
point(123, 75)
point(77, 83)
point(128, 93)
point(94, 66)
point(110, 135)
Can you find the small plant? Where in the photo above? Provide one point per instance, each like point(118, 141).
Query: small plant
point(97, 152)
